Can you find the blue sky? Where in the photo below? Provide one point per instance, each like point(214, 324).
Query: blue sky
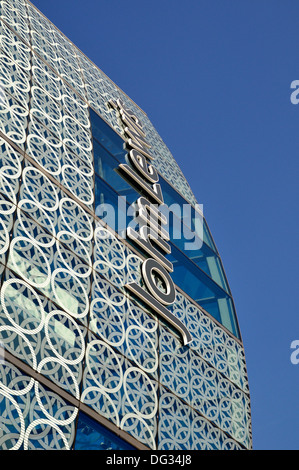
point(214, 78)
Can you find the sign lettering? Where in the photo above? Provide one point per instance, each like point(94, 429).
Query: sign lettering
point(150, 236)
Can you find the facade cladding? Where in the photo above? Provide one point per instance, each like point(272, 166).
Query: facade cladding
point(99, 349)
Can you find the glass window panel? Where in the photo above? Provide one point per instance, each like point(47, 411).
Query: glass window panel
point(203, 290)
point(93, 436)
point(106, 167)
point(107, 137)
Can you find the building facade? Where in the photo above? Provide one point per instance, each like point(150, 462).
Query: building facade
point(117, 324)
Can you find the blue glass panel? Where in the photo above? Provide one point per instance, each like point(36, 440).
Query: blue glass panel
point(195, 249)
point(107, 137)
point(93, 436)
point(203, 290)
point(106, 167)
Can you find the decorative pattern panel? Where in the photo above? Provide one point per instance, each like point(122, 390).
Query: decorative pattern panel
point(32, 416)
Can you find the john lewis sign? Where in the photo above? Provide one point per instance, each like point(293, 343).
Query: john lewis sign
point(150, 236)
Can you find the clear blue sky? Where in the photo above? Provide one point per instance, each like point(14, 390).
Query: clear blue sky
point(214, 78)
